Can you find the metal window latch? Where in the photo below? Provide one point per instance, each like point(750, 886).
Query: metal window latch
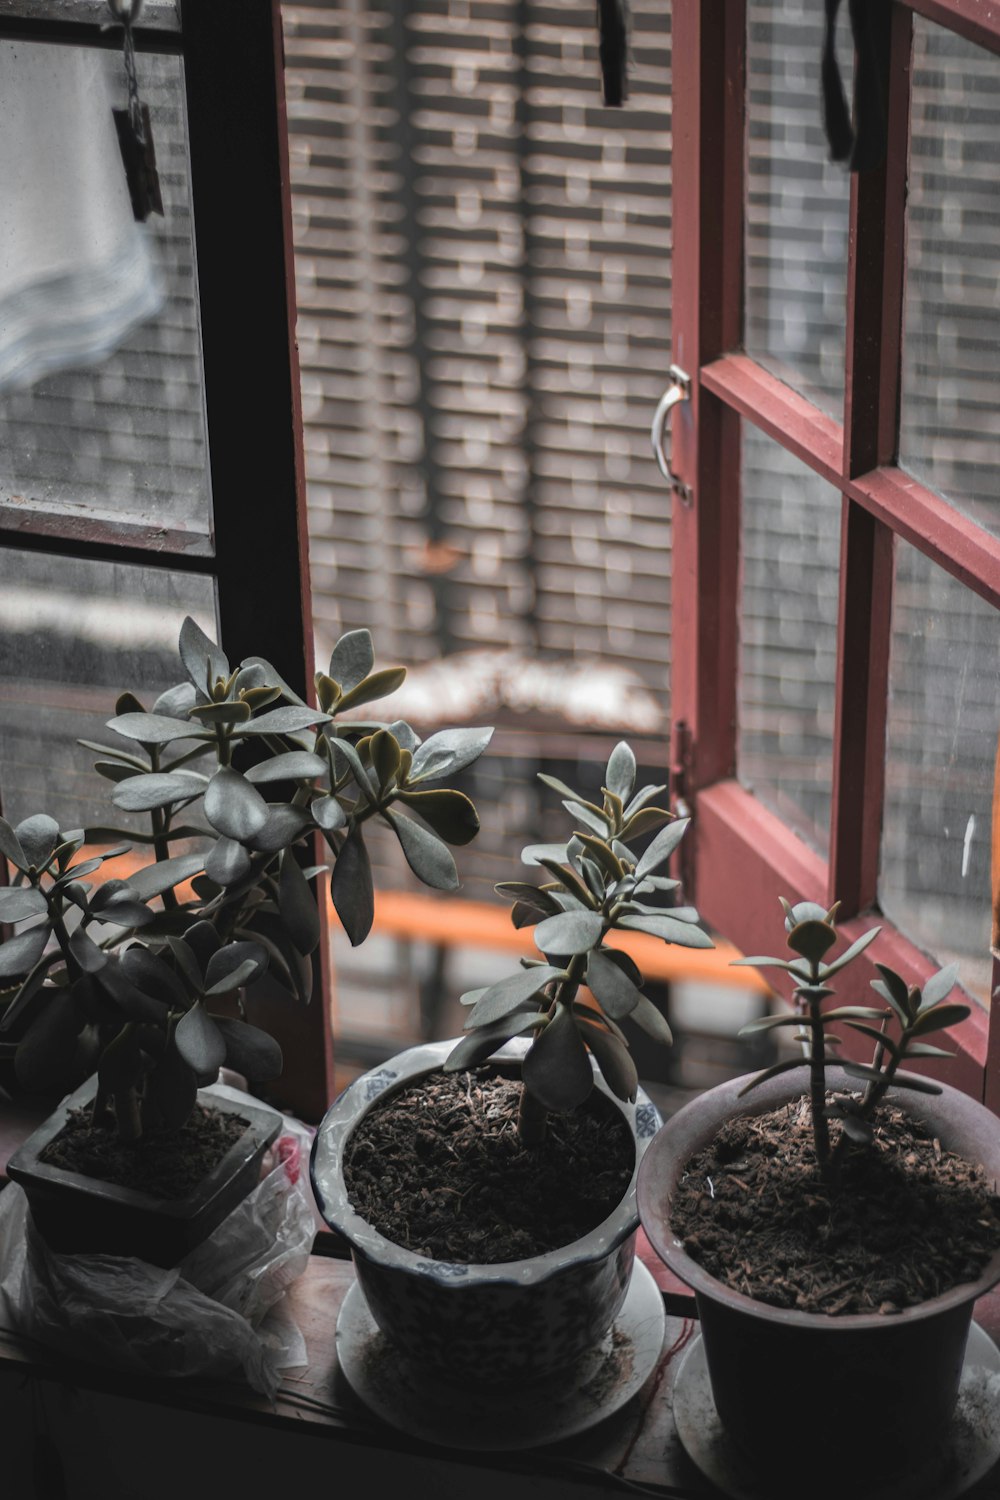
point(679, 389)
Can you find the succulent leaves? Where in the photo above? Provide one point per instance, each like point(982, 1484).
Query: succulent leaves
point(910, 1012)
point(593, 889)
point(235, 764)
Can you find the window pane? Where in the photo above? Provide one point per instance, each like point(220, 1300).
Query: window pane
point(797, 206)
point(160, 14)
point(948, 434)
point(941, 741)
point(101, 399)
point(791, 547)
point(73, 635)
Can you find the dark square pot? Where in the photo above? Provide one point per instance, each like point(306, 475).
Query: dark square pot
point(83, 1215)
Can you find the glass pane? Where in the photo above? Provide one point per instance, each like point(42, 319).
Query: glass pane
point(788, 656)
point(948, 430)
point(797, 206)
point(101, 392)
point(162, 15)
point(940, 746)
point(73, 635)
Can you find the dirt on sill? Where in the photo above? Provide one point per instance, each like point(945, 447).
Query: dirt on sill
point(166, 1163)
point(438, 1168)
point(906, 1220)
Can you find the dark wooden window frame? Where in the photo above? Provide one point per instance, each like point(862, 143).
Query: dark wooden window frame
point(742, 856)
point(257, 554)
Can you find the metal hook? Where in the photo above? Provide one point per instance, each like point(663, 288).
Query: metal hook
point(678, 390)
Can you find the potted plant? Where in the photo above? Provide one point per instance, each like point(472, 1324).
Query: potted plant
point(487, 1187)
point(132, 976)
point(860, 1222)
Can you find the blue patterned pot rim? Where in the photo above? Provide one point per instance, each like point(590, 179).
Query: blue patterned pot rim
point(405, 1068)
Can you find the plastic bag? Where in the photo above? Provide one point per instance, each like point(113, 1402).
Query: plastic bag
point(217, 1314)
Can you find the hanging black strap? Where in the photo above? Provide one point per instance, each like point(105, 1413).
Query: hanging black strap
point(612, 22)
point(864, 147)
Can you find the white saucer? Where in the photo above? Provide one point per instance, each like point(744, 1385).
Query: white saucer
point(972, 1448)
point(401, 1392)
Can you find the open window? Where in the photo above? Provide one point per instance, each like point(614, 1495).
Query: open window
point(151, 469)
point(836, 530)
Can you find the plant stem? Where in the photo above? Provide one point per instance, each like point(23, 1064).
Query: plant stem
point(532, 1120)
point(817, 1074)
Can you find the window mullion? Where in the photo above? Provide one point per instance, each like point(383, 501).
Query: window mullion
point(708, 181)
point(874, 341)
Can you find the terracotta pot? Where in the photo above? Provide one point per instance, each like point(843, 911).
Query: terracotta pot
point(85, 1216)
point(888, 1383)
point(511, 1321)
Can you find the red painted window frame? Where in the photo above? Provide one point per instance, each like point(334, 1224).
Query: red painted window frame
point(741, 856)
point(257, 555)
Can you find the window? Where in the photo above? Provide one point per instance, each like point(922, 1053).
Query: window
point(158, 473)
point(836, 566)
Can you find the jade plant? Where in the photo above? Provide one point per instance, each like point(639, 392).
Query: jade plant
point(236, 775)
point(897, 1029)
point(598, 885)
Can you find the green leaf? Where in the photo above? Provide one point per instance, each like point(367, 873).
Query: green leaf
point(596, 822)
point(645, 821)
point(353, 658)
point(569, 932)
point(812, 939)
point(156, 729)
point(534, 854)
point(227, 862)
point(872, 1031)
point(200, 1042)
point(297, 904)
point(446, 752)
point(851, 953)
point(88, 955)
point(203, 660)
point(773, 1072)
point(274, 677)
point(625, 963)
point(18, 902)
point(120, 755)
point(939, 986)
point(644, 795)
point(477, 1046)
point(378, 685)
point(249, 1050)
point(221, 713)
point(175, 702)
point(608, 861)
point(228, 983)
point(291, 765)
point(351, 888)
point(760, 962)
point(187, 963)
point(938, 1016)
point(614, 991)
point(857, 1130)
point(613, 1059)
point(10, 846)
point(132, 1001)
point(620, 776)
point(286, 822)
point(570, 881)
point(767, 1023)
point(152, 975)
point(234, 807)
point(328, 814)
point(21, 953)
point(451, 814)
point(163, 875)
point(429, 859)
point(38, 836)
point(662, 847)
point(144, 793)
point(652, 1021)
point(507, 995)
point(924, 1049)
point(560, 787)
point(668, 928)
point(288, 720)
point(529, 895)
point(556, 1069)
